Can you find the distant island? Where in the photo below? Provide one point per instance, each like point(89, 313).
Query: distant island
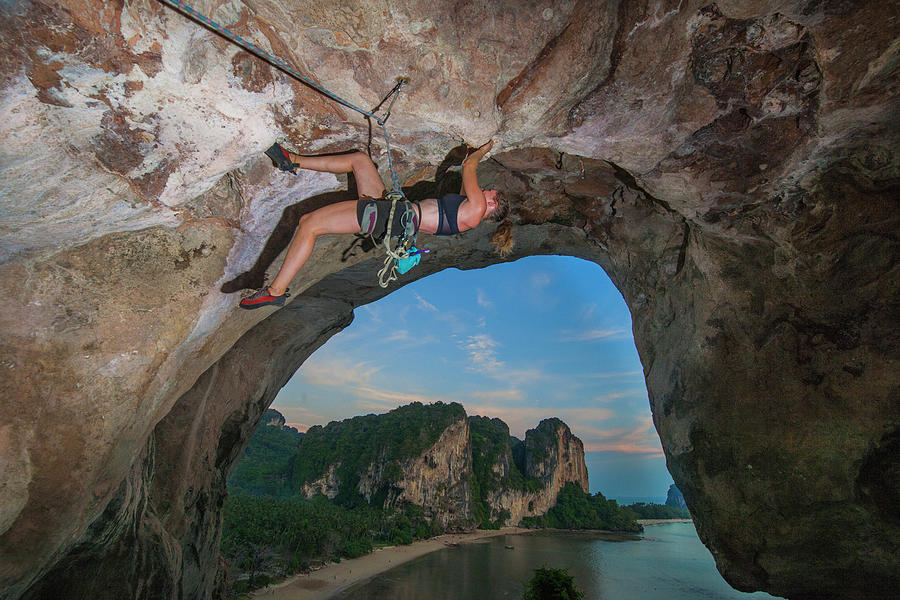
point(341, 490)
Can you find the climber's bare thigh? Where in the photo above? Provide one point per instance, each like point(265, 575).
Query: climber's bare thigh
point(339, 217)
point(368, 181)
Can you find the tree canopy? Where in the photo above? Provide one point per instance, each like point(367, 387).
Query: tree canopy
point(551, 584)
point(576, 509)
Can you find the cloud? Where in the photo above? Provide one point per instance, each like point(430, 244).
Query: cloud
point(338, 372)
point(591, 335)
point(540, 280)
point(640, 439)
point(295, 412)
point(399, 335)
point(613, 396)
point(613, 375)
point(484, 360)
point(581, 415)
point(425, 304)
point(588, 311)
point(482, 354)
point(405, 339)
point(364, 382)
point(510, 395)
point(483, 300)
point(649, 450)
point(373, 311)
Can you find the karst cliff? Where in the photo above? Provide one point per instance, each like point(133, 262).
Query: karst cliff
point(732, 166)
point(438, 458)
point(522, 478)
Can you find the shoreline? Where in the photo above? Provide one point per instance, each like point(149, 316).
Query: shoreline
point(334, 578)
point(646, 522)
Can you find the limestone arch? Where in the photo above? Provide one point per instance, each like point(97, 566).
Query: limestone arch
point(747, 365)
point(726, 336)
point(176, 487)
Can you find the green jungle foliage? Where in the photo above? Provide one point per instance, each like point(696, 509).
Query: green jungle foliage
point(540, 440)
point(658, 511)
point(517, 448)
point(265, 536)
point(576, 509)
point(552, 584)
point(355, 443)
point(490, 441)
point(264, 469)
point(271, 531)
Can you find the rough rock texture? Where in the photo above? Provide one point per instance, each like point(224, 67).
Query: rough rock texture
point(733, 168)
point(327, 485)
point(551, 454)
point(554, 455)
point(437, 479)
point(440, 478)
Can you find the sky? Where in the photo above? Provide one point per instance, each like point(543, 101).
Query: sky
point(544, 336)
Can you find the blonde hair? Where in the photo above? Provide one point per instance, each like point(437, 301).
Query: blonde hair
point(502, 240)
point(500, 213)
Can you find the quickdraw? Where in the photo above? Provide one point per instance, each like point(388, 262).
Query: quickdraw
point(402, 256)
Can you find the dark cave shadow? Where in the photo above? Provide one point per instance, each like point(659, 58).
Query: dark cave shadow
point(254, 278)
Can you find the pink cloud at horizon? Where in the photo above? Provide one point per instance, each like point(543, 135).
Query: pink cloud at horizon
point(648, 451)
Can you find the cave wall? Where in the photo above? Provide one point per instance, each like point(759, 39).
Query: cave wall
point(732, 167)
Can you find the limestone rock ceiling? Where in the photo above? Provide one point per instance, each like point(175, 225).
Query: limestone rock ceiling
point(732, 166)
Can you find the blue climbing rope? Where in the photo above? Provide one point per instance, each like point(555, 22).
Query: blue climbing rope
point(280, 64)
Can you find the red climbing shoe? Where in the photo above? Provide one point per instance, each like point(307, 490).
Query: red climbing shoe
point(281, 158)
point(263, 298)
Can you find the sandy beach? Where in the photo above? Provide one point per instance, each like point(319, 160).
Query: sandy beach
point(336, 577)
point(663, 521)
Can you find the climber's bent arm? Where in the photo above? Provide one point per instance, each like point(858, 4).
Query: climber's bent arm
point(472, 209)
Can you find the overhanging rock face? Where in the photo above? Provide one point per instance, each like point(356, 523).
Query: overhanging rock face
point(733, 168)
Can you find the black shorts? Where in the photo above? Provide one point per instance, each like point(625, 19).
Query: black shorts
point(377, 217)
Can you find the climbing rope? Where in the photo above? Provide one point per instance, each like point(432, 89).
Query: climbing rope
point(280, 64)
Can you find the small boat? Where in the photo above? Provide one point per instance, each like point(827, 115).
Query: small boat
point(508, 547)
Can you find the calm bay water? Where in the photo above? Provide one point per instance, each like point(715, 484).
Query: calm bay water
point(667, 563)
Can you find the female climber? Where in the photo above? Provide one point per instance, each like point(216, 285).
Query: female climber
point(452, 214)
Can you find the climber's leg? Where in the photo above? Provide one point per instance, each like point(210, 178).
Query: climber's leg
point(368, 181)
point(334, 218)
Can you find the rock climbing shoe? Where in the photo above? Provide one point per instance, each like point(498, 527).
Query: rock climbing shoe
point(281, 158)
point(264, 298)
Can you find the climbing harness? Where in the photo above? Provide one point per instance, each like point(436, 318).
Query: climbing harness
point(402, 254)
point(403, 250)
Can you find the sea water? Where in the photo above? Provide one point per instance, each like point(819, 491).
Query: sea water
point(667, 562)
